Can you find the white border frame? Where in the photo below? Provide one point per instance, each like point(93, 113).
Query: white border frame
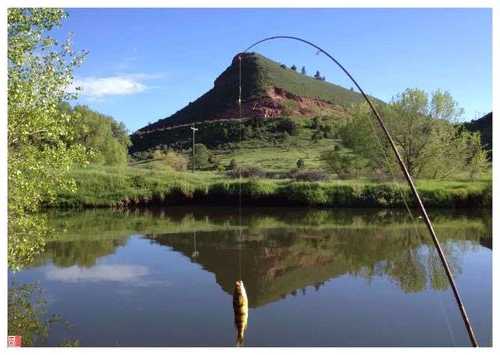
point(233, 4)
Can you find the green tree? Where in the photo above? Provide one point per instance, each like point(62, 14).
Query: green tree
point(293, 67)
point(106, 138)
point(202, 156)
point(315, 123)
point(26, 310)
point(477, 161)
point(326, 129)
point(364, 141)
point(28, 315)
point(429, 143)
point(287, 125)
point(41, 137)
point(303, 70)
point(344, 162)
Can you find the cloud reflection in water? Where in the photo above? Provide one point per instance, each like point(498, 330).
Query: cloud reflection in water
point(99, 273)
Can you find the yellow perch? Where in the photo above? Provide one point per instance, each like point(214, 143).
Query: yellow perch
point(240, 305)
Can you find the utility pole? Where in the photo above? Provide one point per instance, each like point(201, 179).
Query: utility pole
point(194, 129)
point(196, 253)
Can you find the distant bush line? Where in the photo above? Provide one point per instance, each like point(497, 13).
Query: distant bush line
point(213, 134)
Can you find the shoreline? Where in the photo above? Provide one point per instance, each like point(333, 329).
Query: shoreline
point(130, 188)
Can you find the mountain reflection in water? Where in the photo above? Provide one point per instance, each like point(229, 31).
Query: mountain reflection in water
point(277, 262)
point(276, 252)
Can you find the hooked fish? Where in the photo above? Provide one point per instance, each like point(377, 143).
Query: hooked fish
point(240, 306)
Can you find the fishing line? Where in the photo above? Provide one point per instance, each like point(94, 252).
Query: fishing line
point(406, 174)
point(239, 169)
point(444, 312)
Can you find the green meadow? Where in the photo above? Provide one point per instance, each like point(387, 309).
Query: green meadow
point(99, 186)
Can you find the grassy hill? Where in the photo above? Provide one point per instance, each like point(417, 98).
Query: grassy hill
point(259, 75)
point(259, 143)
point(273, 74)
point(269, 89)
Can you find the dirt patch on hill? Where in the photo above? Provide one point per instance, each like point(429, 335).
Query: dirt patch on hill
point(277, 102)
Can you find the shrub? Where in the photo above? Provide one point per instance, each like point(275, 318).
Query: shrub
point(315, 123)
point(306, 193)
point(220, 167)
point(343, 195)
point(308, 175)
point(176, 161)
point(287, 125)
point(202, 156)
point(171, 158)
point(300, 164)
point(248, 132)
point(157, 154)
point(344, 162)
point(246, 172)
point(487, 195)
point(316, 136)
point(233, 165)
point(383, 195)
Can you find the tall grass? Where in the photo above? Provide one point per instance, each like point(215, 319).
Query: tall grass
point(101, 187)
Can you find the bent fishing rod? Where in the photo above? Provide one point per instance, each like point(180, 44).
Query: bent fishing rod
point(406, 174)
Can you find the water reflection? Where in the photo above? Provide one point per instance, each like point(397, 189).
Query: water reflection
point(279, 262)
point(29, 318)
point(113, 273)
point(83, 253)
point(162, 269)
point(279, 252)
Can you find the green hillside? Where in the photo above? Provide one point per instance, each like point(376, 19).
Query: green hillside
point(258, 74)
point(301, 85)
point(484, 126)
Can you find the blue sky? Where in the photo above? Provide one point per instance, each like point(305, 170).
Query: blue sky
point(145, 64)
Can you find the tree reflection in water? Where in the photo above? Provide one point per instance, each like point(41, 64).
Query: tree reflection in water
point(27, 315)
point(284, 251)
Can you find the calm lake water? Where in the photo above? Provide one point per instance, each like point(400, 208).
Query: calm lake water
point(313, 277)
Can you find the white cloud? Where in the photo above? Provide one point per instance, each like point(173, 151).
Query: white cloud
point(144, 76)
point(116, 273)
point(109, 86)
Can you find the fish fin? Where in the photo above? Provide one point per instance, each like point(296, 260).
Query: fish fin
point(240, 341)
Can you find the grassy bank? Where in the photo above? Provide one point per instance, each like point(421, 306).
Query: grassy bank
point(128, 186)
